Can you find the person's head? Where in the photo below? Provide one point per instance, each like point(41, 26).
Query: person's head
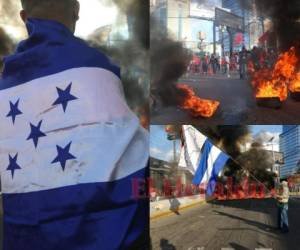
point(63, 11)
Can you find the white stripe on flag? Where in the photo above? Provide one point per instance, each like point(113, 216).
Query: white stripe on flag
point(213, 155)
point(191, 152)
point(107, 140)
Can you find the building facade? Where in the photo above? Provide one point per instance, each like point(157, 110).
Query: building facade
point(289, 144)
point(161, 170)
point(173, 17)
point(253, 24)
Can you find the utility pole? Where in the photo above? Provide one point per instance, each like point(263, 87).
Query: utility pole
point(174, 151)
point(214, 36)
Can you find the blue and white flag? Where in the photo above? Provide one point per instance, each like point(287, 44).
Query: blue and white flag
point(70, 147)
point(201, 156)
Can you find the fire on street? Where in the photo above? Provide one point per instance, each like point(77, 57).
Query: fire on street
point(239, 225)
point(237, 104)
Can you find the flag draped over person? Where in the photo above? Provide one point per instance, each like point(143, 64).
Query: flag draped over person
point(202, 158)
point(69, 147)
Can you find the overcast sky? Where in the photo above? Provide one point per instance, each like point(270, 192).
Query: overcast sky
point(93, 14)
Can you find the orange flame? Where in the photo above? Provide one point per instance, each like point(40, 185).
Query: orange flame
point(295, 84)
point(195, 105)
point(273, 82)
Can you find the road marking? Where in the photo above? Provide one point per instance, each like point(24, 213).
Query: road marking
point(196, 248)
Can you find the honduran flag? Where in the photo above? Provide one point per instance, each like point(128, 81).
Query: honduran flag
point(202, 158)
point(70, 148)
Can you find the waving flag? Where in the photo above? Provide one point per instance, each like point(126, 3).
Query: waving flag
point(201, 156)
point(69, 147)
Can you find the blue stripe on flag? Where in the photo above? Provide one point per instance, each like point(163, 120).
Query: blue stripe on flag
point(87, 216)
point(202, 167)
point(217, 168)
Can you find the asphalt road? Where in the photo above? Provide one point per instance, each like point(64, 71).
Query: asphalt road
point(240, 225)
point(238, 105)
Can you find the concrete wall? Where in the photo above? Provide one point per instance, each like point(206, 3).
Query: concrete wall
point(169, 206)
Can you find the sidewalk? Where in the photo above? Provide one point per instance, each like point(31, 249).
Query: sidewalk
point(174, 205)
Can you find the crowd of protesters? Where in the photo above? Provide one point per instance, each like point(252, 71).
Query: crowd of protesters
point(230, 63)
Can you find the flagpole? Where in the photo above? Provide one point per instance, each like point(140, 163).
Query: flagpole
point(236, 162)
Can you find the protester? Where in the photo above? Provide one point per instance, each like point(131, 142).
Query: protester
point(282, 204)
point(205, 62)
point(218, 63)
point(243, 63)
point(227, 64)
point(69, 185)
point(213, 63)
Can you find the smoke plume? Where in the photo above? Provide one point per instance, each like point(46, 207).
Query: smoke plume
point(169, 61)
point(6, 46)
point(286, 20)
point(132, 54)
point(232, 140)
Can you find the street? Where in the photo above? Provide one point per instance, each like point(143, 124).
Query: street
point(240, 225)
point(238, 105)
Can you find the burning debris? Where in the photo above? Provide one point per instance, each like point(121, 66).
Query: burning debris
point(169, 61)
point(295, 84)
point(294, 87)
point(271, 84)
point(194, 104)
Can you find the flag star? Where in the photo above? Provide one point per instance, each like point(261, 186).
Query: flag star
point(36, 133)
point(14, 111)
point(13, 165)
point(64, 96)
point(63, 155)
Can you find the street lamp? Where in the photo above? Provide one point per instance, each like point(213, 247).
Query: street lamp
point(201, 37)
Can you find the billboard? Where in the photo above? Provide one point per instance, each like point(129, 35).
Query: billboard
point(204, 9)
point(228, 19)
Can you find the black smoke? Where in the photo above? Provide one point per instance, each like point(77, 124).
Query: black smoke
point(232, 140)
point(6, 46)
point(132, 54)
point(169, 61)
point(285, 16)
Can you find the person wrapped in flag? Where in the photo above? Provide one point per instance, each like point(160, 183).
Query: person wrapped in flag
point(70, 147)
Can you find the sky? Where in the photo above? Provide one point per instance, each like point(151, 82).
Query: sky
point(162, 148)
point(204, 26)
point(94, 14)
